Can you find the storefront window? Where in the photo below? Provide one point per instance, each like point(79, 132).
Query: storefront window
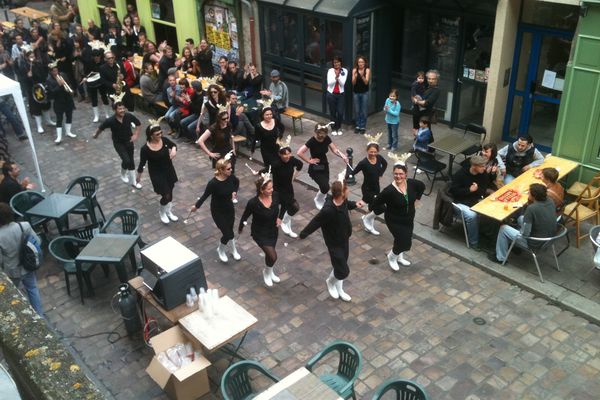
point(272, 33)
point(552, 15)
point(163, 10)
point(292, 80)
point(333, 40)
point(290, 36)
point(106, 3)
point(313, 91)
point(312, 37)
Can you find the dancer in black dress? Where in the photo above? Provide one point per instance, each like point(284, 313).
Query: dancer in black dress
point(318, 168)
point(221, 136)
point(264, 209)
point(159, 152)
point(268, 131)
point(223, 190)
point(398, 202)
point(334, 221)
point(372, 167)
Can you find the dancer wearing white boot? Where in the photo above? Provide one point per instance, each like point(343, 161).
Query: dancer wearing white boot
point(222, 190)
point(264, 210)
point(398, 202)
point(372, 167)
point(59, 90)
point(334, 221)
point(159, 152)
point(318, 168)
point(121, 124)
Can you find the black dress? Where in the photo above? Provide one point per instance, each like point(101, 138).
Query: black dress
point(371, 173)
point(283, 186)
point(319, 172)
point(269, 149)
point(160, 166)
point(264, 221)
point(221, 205)
point(221, 142)
point(399, 212)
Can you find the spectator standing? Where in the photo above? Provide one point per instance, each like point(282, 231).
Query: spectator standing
point(204, 59)
point(361, 76)
point(417, 91)
point(430, 97)
point(336, 80)
point(392, 118)
point(167, 61)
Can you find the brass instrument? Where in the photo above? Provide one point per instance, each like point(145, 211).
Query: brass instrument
point(120, 83)
point(65, 85)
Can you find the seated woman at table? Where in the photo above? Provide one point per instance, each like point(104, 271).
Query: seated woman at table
point(187, 63)
point(151, 54)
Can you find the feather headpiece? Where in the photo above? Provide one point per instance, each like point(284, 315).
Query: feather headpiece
point(228, 155)
point(26, 48)
point(267, 176)
point(284, 143)
point(265, 102)
point(325, 126)
point(341, 176)
point(117, 97)
point(155, 122)
point(98, 45)
point(223, 108)
point(53, 64)
point(373, 138)
point(399, 159)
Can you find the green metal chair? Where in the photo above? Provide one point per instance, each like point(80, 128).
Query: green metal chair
point(129, 223)
point(236, 381)
point(23, 201)
point(349, 366)
point(405, 390)
point(88, 185)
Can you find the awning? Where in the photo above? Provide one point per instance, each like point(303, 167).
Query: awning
point(340, 8)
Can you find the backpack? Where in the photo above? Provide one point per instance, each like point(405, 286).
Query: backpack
point(30, 252)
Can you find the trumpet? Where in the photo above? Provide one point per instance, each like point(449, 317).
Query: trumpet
point(64, 84)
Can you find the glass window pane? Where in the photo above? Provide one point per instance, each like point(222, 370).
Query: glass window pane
point(521, 72)
point(291, 30)
point(272, 33)
point(292, 77)
point(313, 91)
point(333, 40)
point(333, 7)
point(543, 122)
point(163, 10)
point(312, 41)
point(109, 3)
point(444, 36)
point(554, 15)
point(554, 56)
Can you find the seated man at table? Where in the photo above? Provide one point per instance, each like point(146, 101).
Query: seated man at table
point(556, 192)
point(10, 184)
point(278, 93)
point(539, 221)
point(240, 124)
point(467, 189)
point(518, 157)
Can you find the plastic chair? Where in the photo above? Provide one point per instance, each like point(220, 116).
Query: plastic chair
point(537, 245)
point(65, 249)
point(129, 222)
point(23, 201)
point(430, 166)
point(86, 232)
point(89, 189)
point(405, 390)
point(594, 231)
point(236, 381)
point(474, 129)
point(349, 366)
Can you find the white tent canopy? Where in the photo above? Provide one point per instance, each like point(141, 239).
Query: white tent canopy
point(10, 86)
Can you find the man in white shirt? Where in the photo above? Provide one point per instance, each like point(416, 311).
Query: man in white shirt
point(336, 79)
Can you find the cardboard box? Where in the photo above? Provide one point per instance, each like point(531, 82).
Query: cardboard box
point(187, 383)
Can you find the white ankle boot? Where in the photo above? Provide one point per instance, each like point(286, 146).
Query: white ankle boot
point(58, 135)
point(320, 200)
point(267, 277)
point(274, 277)
point(48, 119)
point(169, 212)
point(340, 289)
point(162, 211)
point(68, 131)
point(286, 226)
point(132, 180)
point(38, 123)
point(234, 252)
point(403, 260)
point(330, 281)
point(124, 174)
point(96, 114)
point(393, 261)
point(221, 252)
point(106, 114)
point(369, 223)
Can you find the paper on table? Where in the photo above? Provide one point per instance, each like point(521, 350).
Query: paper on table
point(548, 79)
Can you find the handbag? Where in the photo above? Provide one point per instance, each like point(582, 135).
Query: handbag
point(30, 252)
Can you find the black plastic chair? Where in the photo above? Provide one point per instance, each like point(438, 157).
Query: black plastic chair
point(65, 249)
point(236, 381)
point(23, 201)
point(430, 166)
point(128, 219)
point(475, 129)
point(405, 390)
point(89, 189)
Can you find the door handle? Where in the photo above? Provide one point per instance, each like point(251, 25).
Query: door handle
point(459, 81)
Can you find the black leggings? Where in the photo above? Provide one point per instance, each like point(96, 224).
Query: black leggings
point(321, 178)
point(166, 198)
point(125, 152)
point(289, 206)
point(270, 255)
point(224, 219)
point(59, 117)
point(94, 96)
point(339, 261)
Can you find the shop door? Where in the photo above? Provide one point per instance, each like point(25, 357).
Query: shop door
point(536, 84)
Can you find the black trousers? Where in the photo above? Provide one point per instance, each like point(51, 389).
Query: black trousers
point(94, 95)
point(68, 112)
point(321, 177)
point(339, 260)
point(125, 152)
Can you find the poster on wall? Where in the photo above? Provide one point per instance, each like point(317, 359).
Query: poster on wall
point(221, 32)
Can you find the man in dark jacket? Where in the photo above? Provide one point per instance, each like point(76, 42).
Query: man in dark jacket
point(10, 185)
point(518, 157)
point(334, 221)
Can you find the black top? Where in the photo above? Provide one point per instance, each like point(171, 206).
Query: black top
point(399, 208)
point(319, 149)
point(233, 80)
point(121, 131)
point(159, 161)
point(431, 96)
point(268, 138)
point(461, 183)
point(371, 172)
point(283, 174)
point(220, 192)
point(164, 65)
point(204, 59)
point(8, 188)
point(334, 222)
point(264, 220)
point(56, 92)
point(253, 85)
point(108, 75)
point(213, 111)
point(360, 86)
point(221, 139)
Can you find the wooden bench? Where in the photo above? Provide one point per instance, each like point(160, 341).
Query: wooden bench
point(294, 114)
point(237, 139)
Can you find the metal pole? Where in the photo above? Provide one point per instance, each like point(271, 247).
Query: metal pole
point(350, 179)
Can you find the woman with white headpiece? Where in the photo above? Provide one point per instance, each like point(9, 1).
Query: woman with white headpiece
point(397, 201)
point(372, 167)
point(159, 152)
point(318, 168)
point(334, 221)
point(222, 190)
point(264, 210)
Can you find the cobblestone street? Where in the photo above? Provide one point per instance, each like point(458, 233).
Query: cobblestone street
point(417, 323)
